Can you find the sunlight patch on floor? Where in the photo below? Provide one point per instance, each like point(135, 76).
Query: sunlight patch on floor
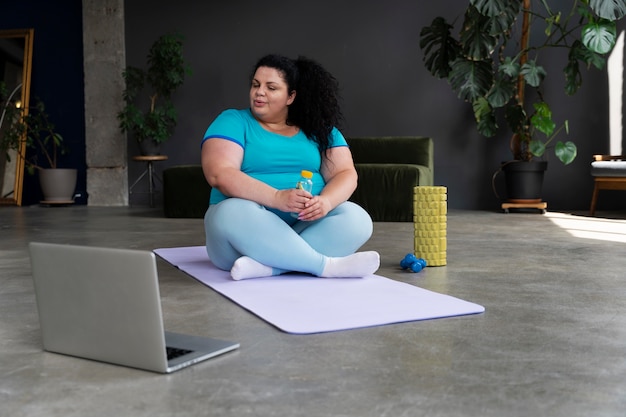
point(611, 230)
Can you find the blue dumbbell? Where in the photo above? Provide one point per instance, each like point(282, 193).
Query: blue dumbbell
point(413, 263)
point(408, 260)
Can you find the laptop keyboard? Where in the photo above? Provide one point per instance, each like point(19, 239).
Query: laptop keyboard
point(173, 353)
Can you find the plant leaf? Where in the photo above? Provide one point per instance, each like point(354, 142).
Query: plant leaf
point(489, 7)
point(439, 47)
point(599, 37)
point(501, 93)
point(471, 79)
point(485, 117)
point(509, 67)
point(573, 77)
point(566, 152)
point(166, 64)
point(609, 9)
point(135, 80)
point(501, 13)
point(542, 118)
point(516, 118)
point(476, 42)
point(578, 52)
point(588, 56)
point(552, 20)
point(533, 73)
point(537, 148)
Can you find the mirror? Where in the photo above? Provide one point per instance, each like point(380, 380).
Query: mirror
point(16, 52)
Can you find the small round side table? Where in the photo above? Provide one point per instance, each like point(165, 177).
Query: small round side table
point(149, 160)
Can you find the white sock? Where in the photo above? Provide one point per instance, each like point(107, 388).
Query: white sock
point(357, 265)
point(245, 268)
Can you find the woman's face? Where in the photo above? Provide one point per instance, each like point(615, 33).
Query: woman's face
point(269, 95)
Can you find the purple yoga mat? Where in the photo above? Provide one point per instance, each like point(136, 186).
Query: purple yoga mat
point(303, 304)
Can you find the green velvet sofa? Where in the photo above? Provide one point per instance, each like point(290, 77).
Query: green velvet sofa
point(388, 168)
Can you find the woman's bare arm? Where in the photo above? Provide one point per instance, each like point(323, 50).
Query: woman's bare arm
point(221, 164)
point(341, 181)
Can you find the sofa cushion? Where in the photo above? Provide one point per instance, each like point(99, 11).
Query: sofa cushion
point(185, 192)
point(389, 167)
point(414, 150)
point(608, 168)
point(385, 191)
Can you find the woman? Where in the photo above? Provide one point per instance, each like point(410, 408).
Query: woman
point(252, 159)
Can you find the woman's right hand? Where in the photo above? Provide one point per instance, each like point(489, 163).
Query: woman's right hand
point(292, 200)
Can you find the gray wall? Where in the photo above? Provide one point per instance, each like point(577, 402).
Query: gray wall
point(372, 48)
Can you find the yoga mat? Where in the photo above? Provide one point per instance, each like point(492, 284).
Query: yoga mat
point(304, 304)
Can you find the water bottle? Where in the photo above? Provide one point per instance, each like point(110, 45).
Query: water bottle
point(304, 183)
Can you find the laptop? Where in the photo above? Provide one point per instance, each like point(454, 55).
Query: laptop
point(104, 304)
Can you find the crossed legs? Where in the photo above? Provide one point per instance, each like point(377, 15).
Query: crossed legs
point(251, 241)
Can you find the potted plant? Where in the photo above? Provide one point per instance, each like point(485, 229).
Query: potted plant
point(10, 111)
point(34, 127)
point(149, 113)
point(493, 64)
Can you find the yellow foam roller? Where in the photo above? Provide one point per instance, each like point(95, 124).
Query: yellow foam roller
point(423, 234)
point(428, 226)
point(430, 223)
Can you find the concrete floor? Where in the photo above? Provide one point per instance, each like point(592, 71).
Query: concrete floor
point(552, 341)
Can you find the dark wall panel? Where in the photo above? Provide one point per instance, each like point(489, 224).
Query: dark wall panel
point(57, 76)
point(370, 46)
point(373, 50)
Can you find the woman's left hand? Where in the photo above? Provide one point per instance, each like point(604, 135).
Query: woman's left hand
point(315, 208)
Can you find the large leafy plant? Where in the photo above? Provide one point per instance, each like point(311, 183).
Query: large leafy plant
point(149, 112)
point(493, 62)
point(33, 127)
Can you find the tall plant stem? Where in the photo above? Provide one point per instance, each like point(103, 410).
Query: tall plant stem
point(518, 137)
point(153, 99)
point(524, 49)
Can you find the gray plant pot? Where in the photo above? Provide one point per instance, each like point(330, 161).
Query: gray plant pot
point(58, 185)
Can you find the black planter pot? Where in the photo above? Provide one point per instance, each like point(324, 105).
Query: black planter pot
point(524, 180)
point(149, 147)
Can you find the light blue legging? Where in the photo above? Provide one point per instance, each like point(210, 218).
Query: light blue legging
point(236, 227)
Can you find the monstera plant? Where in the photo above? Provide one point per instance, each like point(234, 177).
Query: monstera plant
point(493, 62)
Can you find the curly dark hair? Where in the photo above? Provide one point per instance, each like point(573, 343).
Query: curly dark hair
point(316, 109)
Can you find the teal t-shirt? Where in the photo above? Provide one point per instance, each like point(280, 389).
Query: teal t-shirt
point(275, 159)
